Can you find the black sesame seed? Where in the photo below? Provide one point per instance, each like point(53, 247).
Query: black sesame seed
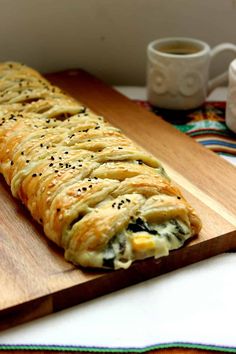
point(58, 209)
point(51, 164)
point(12, 163)
point(34, 175)
point(84, 188)
point(83, 110)
point(52, 158)
point(27, 161)
point(22, 152)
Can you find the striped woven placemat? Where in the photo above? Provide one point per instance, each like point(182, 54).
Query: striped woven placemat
point(168, 348)
point(205, 124)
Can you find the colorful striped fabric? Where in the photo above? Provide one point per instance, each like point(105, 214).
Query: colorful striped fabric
point(205, 124)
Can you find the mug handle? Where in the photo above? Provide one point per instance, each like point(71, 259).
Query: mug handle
point(220, 79)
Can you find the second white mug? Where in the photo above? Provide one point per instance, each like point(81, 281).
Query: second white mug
point(178, 72)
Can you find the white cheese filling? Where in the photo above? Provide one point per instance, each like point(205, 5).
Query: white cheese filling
point(142, 240)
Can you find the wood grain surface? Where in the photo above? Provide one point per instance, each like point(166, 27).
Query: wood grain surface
point(34, 278)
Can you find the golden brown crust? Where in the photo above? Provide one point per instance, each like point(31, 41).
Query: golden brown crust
point(96, 193)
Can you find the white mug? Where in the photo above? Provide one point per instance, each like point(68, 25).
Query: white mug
point(230, 114)
point(178, 72)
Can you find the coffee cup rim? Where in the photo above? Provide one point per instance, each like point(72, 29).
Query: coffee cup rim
point(151, 47)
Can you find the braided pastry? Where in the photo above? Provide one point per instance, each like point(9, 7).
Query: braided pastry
point(97, 194)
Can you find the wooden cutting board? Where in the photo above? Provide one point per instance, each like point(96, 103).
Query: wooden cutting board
point(34, 278)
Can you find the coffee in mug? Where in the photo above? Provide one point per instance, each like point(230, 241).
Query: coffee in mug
point(179, 49)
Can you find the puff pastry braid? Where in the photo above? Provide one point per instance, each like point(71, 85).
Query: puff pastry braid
point(97, 194)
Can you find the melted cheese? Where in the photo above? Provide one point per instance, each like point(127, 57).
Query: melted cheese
point(162, 238)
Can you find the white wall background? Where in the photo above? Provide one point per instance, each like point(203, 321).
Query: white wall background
point(108, 37)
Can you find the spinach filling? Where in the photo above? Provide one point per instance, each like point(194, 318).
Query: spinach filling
point(172, 230)
point(178, 230)
point(141, 225)
point(116, 245)
point(178, 227)
point(169, 229)
point(109, 257)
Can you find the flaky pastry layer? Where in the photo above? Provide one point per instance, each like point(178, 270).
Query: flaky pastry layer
point(99, 196)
